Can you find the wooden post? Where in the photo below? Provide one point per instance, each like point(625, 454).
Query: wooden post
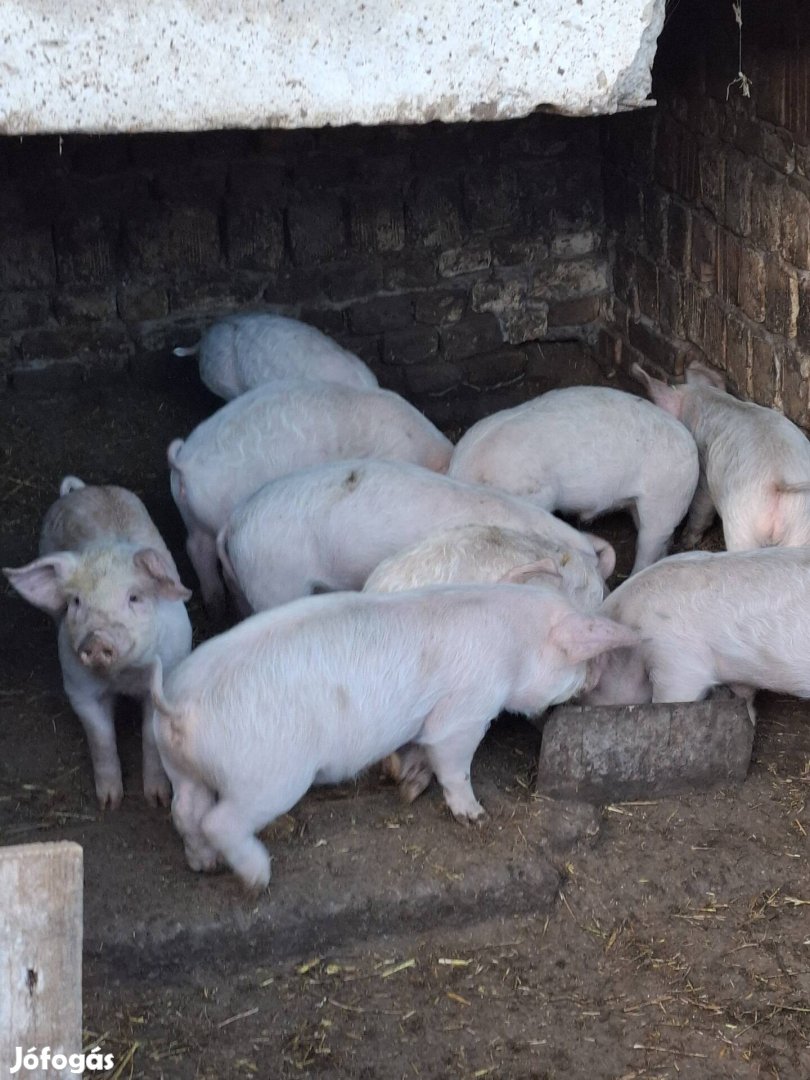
point(40, 952)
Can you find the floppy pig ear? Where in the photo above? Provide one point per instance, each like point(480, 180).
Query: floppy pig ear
point(519, 575)
point(668, 398)
point(41, 582)
point(581, 637)
point(166, 585)
point(698, 374)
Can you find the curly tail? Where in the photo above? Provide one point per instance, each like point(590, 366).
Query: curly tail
point(70, 483)
point(191, 350)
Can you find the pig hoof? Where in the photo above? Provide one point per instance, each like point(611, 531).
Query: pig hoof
point(158, 792)
point(202, 862)
point(256, 879)
point(414, 782)
point(391, 768)
point(473, 814)
point(110, 796)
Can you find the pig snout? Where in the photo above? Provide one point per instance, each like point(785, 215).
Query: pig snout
point(98, 651)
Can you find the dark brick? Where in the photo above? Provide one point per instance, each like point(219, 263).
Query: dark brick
point(644, 337)
point(512, 251)
point(764, 369)
point(221, 144)
point(474, 334)
point(19, 310)
point(296, 285)
point(490, 199)
point(432, 214)
point(213, 296)
point(79, 304)
point(415, 345)
point(137, 302)
point(769, 80)
point(714, 332)
point(752, 284)
point(201, 183)
point(802, 154)
point(440, 306)
point(712, 171)
point(409, 270)
point(647, 283)
point(329, 320)
point(694, 312)
point(45, 377)
point(624, 278)
point(498, 368)
point(181, 240)
point(87, 250)
point(704, 251)
point(347, 280)
point(766, 208)
point(656, 209)
point(676, 165)
point(760, 140)
point(737, 210)
point(367, 348)
point(738, 354)
point(381, 313)
point(432, 378)
point(564, 278)
point(317, 231)
point(154, 150)
point(803, 319)
point(679, 236)
point(729, 253)
point(254, 237)
point(796, 226)
point(561, 363)
point(582, 309)
point(258, 181)
point(795, 392)
point(670, 303)
point(377, 221)
point(781, 299)
point(105, 196)
point(26, 258)
point(609, 348)
point(465, 260)
point(95, 344)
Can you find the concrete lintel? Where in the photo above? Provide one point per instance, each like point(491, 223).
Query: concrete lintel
point(192, 65)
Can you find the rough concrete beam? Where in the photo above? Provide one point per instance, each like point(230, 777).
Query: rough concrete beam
point(639, 751)
point(193, 65)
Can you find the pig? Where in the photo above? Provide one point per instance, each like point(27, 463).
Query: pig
point(586, 450)
point(241, 352)
point(106, 576)
point(468, 554)
point(316, 691)
point(755, 464)
point(325, 529)
point(278, 429)
point(739, 619)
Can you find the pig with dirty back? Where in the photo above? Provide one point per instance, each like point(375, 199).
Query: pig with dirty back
point(477, 554)
point(241, 352)
point(278, 429)
point(326, 528)
point(106, 576)
point(586, 450)
point(755, 463)
point(316, 691)
point(740, 619)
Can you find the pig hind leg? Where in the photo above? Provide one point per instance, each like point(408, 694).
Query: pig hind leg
point(156, 786)
point(656, 523)
point(230, 829)
point(701, 515)
point(679, 676)
point(192, 801)
point(410, 769)
point(202, 550)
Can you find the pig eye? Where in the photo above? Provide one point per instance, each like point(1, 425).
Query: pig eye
point(76, 602)
point(134, 598)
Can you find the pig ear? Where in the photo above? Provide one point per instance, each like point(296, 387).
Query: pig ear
point(605, 555)
point(668, 398)
point(42, 581)
point(581, 637)
point(166, 584)
point(519, 575)
point(698, 374)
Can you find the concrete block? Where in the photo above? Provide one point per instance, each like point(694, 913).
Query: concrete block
point(644, 751)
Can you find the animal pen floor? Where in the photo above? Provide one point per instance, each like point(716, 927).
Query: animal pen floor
point(665, 938)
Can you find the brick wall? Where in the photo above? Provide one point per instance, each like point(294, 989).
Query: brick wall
point(441, 254)
point(707, 204)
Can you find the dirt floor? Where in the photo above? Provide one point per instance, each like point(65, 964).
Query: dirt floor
point(678, 946)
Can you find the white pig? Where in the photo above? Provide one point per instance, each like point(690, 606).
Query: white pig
point(317, 691)
point(477, 554)
point(586, 450)
point(740, 619)
point(107, 577)
point(241, 352)
point(326, 528)
point(278, 429)
point(755, 464)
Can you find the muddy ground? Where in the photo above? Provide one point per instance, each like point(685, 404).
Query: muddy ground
point(678, 944)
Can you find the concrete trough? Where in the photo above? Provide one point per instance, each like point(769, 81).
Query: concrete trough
point(606, 753)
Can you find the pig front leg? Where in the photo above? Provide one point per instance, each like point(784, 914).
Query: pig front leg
point(450, 758)
point(202, 550)
point(192, 801)
point(156, 786)
point(97, 716)
point(230, 831)
point(701, 515)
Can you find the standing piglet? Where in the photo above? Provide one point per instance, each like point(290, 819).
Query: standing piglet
point(755, 464)
point(278, 429)
point(241, 352)
point(317, 691)
point(741, 619)
point(325, 529)
point(586, 450)
point(107, 577)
